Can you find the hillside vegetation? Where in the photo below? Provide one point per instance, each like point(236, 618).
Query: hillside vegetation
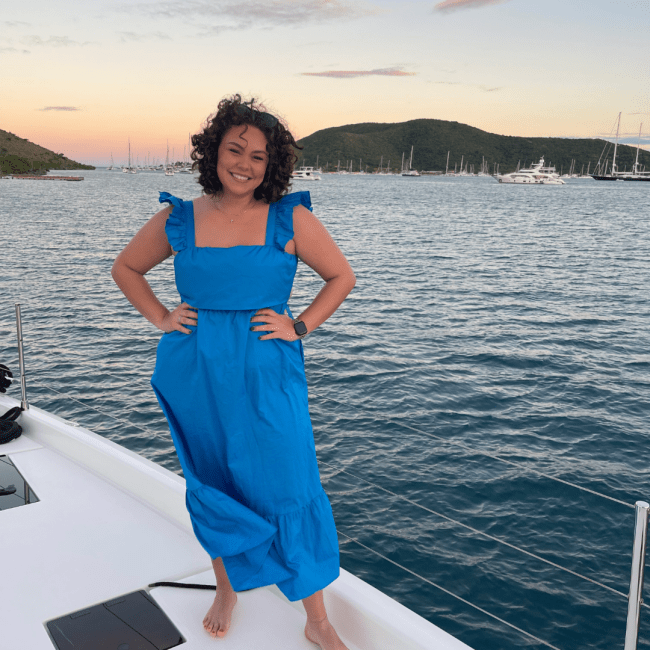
point(432, 139)
point(20, 156)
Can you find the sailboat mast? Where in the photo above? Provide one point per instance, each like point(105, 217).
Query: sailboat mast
point(411, 158)
point(616, 145)
point(447, 167)
point(636, 162)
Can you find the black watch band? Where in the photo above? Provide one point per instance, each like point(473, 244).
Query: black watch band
point(299, 328)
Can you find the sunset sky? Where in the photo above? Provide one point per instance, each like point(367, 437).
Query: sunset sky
point(83, 77)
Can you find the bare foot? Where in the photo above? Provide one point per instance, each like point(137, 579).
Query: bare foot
point(324, 635)
point(217, 620)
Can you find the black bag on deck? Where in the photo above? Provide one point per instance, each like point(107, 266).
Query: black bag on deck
point(9, 430)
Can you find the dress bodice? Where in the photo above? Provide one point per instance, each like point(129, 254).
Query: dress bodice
point(237, 277)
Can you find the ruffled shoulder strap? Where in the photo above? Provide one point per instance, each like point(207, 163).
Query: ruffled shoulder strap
point(177, 222)
point(284, 216)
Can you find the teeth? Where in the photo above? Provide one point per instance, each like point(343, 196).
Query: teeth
point(238, 177)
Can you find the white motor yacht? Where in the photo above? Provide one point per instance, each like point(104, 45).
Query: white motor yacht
point(535, 175)
point(305, 174)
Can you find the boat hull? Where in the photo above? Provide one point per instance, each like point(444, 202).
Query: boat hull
point(531, 182)
point(620, 178)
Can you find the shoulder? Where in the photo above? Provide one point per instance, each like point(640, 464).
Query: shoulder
point(293, 208)
point(294, 199)
point(173, 220)
point(304, 218)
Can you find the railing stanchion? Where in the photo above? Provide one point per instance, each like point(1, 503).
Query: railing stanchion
point(635, 597)
point(21, 359)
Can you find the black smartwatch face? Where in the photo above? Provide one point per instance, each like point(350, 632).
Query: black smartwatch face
point(300, 328)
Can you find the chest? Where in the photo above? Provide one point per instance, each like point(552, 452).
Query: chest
point(216, 229)
point(213, 228)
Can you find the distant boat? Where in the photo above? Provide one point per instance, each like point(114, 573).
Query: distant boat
point(410, 171)
point(112, 167)
point(305, 174)
point(129, 169)
point(635, 175)
point(536, 175)
point(169, 171)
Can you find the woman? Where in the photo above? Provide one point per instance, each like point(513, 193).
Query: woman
point(230, 367)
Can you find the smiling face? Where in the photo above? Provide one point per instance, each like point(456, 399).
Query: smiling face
point(242, 159)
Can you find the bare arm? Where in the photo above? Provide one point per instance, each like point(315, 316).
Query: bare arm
point(147, 249)
point(316, 248)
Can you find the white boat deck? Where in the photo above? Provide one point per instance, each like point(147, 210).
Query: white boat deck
point(109, 522)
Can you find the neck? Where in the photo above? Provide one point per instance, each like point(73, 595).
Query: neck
point(233, 202)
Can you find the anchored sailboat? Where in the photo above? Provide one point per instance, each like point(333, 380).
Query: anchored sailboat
point(635, 175)
point(410, 171)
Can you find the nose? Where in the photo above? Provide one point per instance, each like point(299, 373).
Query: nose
point(243, 164)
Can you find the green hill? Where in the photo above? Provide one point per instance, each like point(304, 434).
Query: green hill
point(19, 156)
point(432, 139)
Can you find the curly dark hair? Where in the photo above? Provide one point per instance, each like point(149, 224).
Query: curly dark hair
point(232, 111)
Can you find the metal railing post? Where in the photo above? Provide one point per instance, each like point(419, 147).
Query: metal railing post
point(21, 359)
point(635, 597)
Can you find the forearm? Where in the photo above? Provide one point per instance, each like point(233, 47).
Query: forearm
point(138, 292)
point(327, 301)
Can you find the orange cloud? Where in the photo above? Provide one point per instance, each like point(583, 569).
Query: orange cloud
point(351, 74)
point(59, 108)
point(450, 5)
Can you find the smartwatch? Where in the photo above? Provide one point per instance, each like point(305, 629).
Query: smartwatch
point(300, 328)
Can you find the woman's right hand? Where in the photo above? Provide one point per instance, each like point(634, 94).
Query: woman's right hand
point(176, 319)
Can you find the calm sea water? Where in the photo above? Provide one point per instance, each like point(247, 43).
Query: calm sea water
point(512, 320)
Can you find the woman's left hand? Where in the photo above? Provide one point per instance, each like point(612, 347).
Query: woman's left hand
point(279, 326)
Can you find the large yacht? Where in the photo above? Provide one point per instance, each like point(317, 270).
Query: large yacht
point(537, 174)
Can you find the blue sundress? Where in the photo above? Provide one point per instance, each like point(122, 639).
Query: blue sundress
point(238, 413)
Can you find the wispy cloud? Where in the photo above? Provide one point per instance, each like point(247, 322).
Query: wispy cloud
point(59, 108)
point(451, 5)
point(352, 74)
point(53, 41)
point(13, 49)
point(15, 23)
point(229, 15)
point(126, 37)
